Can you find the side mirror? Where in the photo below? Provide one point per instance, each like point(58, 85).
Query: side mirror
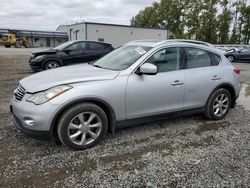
point(67, 51)
point(148, 68)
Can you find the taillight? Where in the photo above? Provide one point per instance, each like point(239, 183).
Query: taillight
point(237, 70)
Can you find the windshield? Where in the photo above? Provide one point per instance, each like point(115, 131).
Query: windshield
point(64, 45)
point(122, 58)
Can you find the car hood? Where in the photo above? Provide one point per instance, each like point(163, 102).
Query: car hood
point(47, 51)
point(66, 75)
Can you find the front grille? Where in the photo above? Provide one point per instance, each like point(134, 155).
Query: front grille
point(19, 93)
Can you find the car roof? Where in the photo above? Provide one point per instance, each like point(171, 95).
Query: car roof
point(154, 43)
point(190, 43)
point(74, 41)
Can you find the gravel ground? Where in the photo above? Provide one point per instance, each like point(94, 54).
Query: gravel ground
point(181, 152)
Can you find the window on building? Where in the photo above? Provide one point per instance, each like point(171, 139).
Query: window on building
point(36, 39)
point(77, 34)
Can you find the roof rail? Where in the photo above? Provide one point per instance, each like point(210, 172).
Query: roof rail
point(143, 40)
point(186, 41)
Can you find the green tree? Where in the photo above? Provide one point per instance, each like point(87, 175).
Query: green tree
point(224, 21)
point(206, 20)
point(148, 17)
point(245, 12)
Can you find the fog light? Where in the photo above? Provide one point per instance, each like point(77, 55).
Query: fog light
point(29, 122)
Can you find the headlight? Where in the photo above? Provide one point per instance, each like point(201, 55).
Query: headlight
point(43, 97)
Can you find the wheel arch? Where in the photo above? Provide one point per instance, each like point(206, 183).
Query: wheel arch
point(106, 107)
point(231, 90)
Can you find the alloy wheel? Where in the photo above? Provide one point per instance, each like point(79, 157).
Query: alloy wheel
point(221, 105)
point(52, 66)
point(231, 58)
point(84, 128)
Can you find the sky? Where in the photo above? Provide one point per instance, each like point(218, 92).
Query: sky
point(49, 14)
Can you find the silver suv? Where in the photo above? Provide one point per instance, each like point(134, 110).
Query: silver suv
point(141, 81)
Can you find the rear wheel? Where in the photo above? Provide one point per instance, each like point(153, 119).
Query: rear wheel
point(218, 104)
point(51, 65)
point(82, 126)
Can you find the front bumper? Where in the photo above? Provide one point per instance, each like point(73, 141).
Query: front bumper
point(42, 115)
point(30, 133)
point(35, 65)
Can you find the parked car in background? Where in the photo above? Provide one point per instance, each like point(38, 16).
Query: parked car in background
point(240, 55)
point(68, 53)
point(139, 82)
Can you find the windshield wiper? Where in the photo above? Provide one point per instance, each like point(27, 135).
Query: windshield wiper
point(97, 66)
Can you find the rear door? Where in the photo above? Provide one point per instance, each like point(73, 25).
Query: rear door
point(244, 54)
point(201, 76)
point(95, 51)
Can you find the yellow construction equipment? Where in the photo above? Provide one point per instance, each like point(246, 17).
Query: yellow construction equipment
point(14, 38)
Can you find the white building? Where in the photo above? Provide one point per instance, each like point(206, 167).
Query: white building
point(41, 38)
point(116, 35)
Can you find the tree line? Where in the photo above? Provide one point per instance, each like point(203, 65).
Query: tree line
point(214, 21)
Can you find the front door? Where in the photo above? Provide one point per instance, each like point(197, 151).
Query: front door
point(160, 93)
point(75, 53)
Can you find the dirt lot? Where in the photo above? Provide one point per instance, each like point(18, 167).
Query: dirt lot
point(187, 151)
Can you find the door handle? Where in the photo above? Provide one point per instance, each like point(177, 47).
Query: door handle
point(177, 83)
point(215, 77)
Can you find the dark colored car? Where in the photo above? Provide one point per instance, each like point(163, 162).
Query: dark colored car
point(241, 55)
point(69, 53)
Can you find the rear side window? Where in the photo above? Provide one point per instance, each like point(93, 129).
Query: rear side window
point(196, 58)
point(108, 47)
point(77, 46)
point(96, 46)
point(215, 59)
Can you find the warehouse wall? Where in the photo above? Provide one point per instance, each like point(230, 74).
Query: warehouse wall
point(114, 34)
point(118, 35)
point(75, 32)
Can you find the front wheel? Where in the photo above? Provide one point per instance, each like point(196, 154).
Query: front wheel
point(51, 65)
point(218, 104)
point(82, 126)
point(231, 58)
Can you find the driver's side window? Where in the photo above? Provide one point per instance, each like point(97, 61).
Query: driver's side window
point(166, 60)
point(246, 50)
point(77, 46)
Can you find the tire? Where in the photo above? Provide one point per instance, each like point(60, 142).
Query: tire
point(75, 136)
point(231, 58)
point(51, 65)
point(218, 104)
point(7, 46)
